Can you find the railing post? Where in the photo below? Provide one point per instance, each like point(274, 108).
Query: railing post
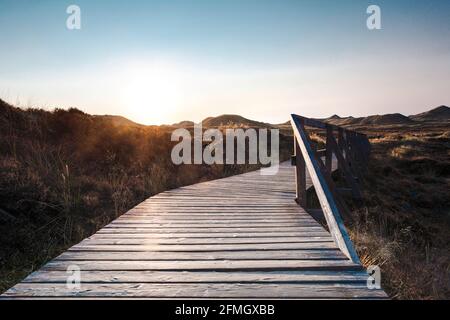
point(356, 161)
point(300, 175)
point(347, 149)
point(329, 150)
point(341, 146)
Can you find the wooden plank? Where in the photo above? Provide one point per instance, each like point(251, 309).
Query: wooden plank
point(329, 150)
point(219, 214)
point(349, 155)
point(185, 241)
point(325, 254)
point(217, 225)
point(212, 265)
point(131, 276)
point(312, 122)
point(289, 207)
point(207, 248)
point(207, 219)
point(219, 206)
point(213, 221)
point(198, 290)
point(208, 235)
point(223, 209)
point(341, 143)
point(211, 230)
point(300, 176)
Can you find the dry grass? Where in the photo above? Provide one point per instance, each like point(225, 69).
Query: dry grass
point(404, 223)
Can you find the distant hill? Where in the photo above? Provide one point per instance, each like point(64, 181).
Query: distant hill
point(184, 124)
point(287, 123)
point(114, 120)
point(343, 121)
point(334, 117)
point(118, 120)
point(441, 113)
point(233, 120)
point(386, 119)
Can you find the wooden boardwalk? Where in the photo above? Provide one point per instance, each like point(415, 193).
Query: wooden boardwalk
point(238, 237)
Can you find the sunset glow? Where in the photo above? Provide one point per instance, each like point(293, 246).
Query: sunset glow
point(163, 62)
point(150, 93)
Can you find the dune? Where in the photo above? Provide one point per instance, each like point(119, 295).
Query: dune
point(441, 113)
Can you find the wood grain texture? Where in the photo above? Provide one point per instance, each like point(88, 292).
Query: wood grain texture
point(198, 290)
point(131, 276)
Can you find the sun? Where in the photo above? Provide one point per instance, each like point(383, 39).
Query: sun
point(150, 93)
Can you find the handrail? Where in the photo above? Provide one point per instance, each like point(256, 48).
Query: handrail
point(352, 152)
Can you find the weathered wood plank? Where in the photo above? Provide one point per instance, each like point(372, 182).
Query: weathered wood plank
point(210, 290)
point(212, 218)
point(212, 247)
point(300, 176)
point(325, 254)
point(131, 276)
point(216, 225)
point(208, 235)
point(211, 230)
point(205, 241)
point(214, 265)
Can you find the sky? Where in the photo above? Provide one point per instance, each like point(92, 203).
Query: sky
point(165, 61)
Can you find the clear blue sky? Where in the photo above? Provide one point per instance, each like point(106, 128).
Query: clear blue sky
point(166, 61)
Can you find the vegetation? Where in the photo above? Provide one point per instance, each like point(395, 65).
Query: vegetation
point(65, 174)
point(403, 225)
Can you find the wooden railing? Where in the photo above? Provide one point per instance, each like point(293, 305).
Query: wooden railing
point(351, 150)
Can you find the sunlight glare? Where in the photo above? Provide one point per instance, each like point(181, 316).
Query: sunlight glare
point(151, 92)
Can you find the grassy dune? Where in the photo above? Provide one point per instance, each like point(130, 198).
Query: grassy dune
point(403, 225)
